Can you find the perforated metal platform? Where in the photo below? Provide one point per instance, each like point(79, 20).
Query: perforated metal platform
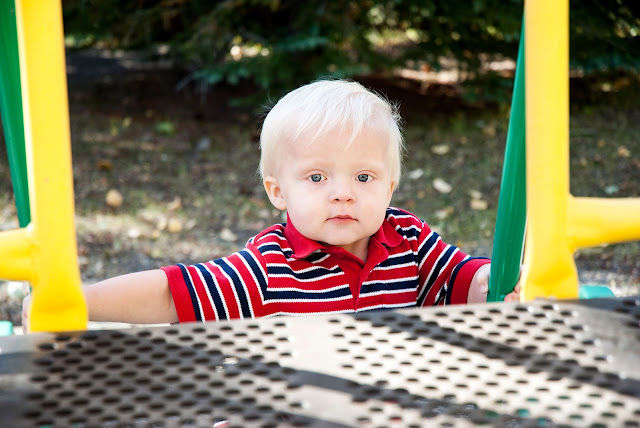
point(509, 365)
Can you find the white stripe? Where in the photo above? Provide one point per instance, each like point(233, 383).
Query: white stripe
point(244, 286)
point(391, 256)
point(302, 314)
point(279, 253)
point(318, 278)
point(233, 288)
point(224, 301)
point(429, 251)
point(304, 290)
point(387, 292)
point(309, 269)
point(206, 288)
point(391, 281)
point(403, 216)
point(264, 275)
point(332, 299)
point(386, 306)
point(396, 266)
point(413, 226)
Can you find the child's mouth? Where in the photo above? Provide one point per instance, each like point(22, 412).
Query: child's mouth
point(342, 217)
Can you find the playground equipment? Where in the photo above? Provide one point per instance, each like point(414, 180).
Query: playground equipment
point(539, 363)
point(43, 251)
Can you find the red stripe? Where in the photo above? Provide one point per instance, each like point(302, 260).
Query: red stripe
point(180, 294)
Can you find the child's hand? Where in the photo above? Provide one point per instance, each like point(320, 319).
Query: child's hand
point(514, 296)
point(26, 304)
point(479, 287)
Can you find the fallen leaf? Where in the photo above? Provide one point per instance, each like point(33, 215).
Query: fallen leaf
point(104, 165)
point(440, 149)
point(162, 223)
point(489, 130)
point(134, 233)
point(416, 174)
point(442, 186)
point(623, 152)
point(175, 204)
point(444, 213)
point(174, 225)
point(475, 194)
point(478, 204)
point(114, 198)
point(227, 235)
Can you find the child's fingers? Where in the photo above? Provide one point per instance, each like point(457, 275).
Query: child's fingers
point(25, 314)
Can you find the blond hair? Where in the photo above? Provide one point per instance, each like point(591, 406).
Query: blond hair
point(323, 106)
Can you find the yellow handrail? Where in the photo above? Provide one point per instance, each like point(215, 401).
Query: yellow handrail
point(44, 252)
point(557, 222)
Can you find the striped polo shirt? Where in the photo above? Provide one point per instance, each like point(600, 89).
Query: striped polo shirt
point(281, 272)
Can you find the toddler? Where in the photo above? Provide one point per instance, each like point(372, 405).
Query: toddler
point(331, 155)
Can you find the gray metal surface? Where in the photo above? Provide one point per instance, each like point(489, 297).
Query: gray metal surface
point(565, 364)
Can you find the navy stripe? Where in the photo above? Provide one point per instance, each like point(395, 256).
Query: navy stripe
point(255, 268)
point(310, 274)
point(314, 257)
point(410, 284)
point(237, 283)
point(272, 294)
point(398, 260)
point(192, 291)
point(214, 291)
point(411, 231)
point(428, 244)
point(263, 248)
point(394, 212)
point(443, 261)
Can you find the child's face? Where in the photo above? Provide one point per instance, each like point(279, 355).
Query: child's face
point(334, 193)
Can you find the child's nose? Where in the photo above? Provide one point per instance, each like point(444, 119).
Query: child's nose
point(343, 191)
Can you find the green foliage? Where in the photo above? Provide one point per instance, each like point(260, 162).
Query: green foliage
point(280, 44)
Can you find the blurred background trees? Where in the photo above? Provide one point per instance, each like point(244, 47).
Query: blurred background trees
point(280, 44)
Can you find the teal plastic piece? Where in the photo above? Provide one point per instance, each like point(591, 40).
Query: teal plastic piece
point(11, 109)
point(594, 292)
point(511, 219)
point(6, 328)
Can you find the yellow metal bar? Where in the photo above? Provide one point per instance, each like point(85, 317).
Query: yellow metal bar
point(15, 263)
point(549, 268)
point(57, 302)
point(595, 221)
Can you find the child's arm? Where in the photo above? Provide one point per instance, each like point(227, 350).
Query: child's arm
point(479, 287)
point(136, 298)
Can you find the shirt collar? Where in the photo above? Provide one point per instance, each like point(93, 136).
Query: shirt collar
point(303, 247)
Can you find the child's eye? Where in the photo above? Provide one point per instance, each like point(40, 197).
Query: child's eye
point(364, 178)
point(316, 178)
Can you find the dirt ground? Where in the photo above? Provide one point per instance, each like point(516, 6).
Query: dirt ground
point(184, 164)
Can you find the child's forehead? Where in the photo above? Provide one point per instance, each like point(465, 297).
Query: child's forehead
point(345, 132)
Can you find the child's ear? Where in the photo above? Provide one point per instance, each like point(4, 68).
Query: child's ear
point(391, 189)
point(274, 193)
